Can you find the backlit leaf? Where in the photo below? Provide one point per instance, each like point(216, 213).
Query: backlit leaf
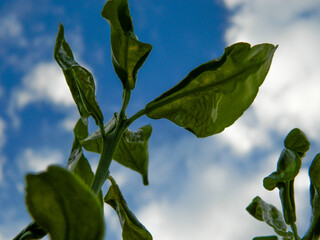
point(128, 54)
point(79, 80)
point(215, 94)
point(132, 229)
point(63, 205)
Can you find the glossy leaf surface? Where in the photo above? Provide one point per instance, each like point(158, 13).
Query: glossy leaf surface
point(214, 95)
point(314, 173)
point(297, 141)
point(131, 228)
point(128, 54)
point(63, 205)
point(263, 211)
point(132, 151)
point(79, 80)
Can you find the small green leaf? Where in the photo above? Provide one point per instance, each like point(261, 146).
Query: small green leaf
point(313, 232)
point(132, 151)
point(266, 238)
point(32, 231)
point(79, 80)
point(263, 211)
point(63, 205)
point(288, 167)
point(131, 228)
point(215, 94)
point(128, 54)
point(93, 143)
point(297, 141)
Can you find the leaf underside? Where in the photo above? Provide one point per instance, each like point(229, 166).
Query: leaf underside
point(215, 94)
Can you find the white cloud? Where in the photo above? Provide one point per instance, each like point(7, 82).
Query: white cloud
point(39, 160)
point(210, 203)
point(290, 95)
point(44, 83)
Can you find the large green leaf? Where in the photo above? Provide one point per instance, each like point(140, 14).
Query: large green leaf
point(62, 204)
point(128, 54)
point(313, 232)
point(132, 151)
point(79, 80)
point(263, 211)
point(297, 141)
point(132, 229)
point(215, 94)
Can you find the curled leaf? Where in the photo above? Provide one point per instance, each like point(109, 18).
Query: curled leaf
point(288, 167)
point(215, 94)
point(132, 151)
point(131, 227)
point(79, 80)
point(297, 141)
point(128, 54)
point(63, 205)
point(263, 211)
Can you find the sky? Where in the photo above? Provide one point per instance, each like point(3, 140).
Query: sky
point(199, 188)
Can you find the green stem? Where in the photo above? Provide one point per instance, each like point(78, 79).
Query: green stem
point(295, 231)
point(125, 101)
point(137, 115)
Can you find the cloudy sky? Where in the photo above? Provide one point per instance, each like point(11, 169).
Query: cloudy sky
point(199, 188)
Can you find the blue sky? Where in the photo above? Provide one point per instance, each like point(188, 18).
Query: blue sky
point(199, 188)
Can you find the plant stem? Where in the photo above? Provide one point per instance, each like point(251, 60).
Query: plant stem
point(295, 231)
point(125, 101)
point(110, 143)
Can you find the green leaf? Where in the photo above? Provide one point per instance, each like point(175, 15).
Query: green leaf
point(297, 141)
point(63, 205)
point(131, 228)
point(79, 80)
point(132, 151)
point(215, 94)
point(313, 232)
point(288, 167)
point(77, 162)
point(263, 211)
point(93, 143)
point(128, 54)
point(266, 238)
point(32, 231)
